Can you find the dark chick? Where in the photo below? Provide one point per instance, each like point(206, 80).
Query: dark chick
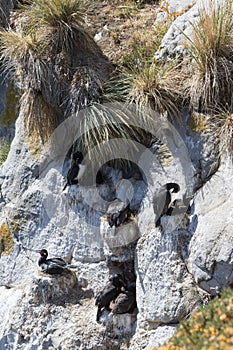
point(118, 213)
point(162, 199)
point(126, 301)
point(52, 266)
point(108, 294)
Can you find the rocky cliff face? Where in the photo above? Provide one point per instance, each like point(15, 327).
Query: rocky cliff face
point(177, 265)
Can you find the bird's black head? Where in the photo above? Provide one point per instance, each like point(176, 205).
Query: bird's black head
point(173, 187)
point(43, 252)
point(77, 157)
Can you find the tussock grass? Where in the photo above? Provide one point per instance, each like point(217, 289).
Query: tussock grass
point(21, 52)
point(156, 86)
point(60, 21)
point(57, 12)
point(221, 127)
point(80, 93)
point(116, 87)
point(100, 124)
point(211, 49)
point(46, 117)
point(16, 47)
point(51, 54)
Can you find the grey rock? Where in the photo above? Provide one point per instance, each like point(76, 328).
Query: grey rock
point(210, 251)
point(166, 292)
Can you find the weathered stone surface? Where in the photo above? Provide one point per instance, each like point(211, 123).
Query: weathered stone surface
point(64, 321)
point(165, 290)
point(173, 41)
point(210, 251)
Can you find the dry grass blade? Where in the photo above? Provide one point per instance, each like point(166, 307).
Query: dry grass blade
point(157, 86)
point(55, 61)
point(53, 13)
point(60, 18)
point(100, 124)
point(221, 125)
point(41, 118)
point(211, 48)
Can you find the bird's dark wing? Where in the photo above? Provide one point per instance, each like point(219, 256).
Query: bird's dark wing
point(72, 173)
point(108, 294)
point(57, 261)
point(159, 200)
point(117, 213)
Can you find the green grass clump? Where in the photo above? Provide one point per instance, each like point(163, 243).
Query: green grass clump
point(209, 328)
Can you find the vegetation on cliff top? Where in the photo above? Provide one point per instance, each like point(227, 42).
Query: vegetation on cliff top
point(47, 42)
point(209, 328)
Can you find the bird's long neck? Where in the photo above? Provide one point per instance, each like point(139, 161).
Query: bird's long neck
point(42, 260)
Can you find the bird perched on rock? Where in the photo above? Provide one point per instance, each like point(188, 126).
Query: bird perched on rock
point(118, 213)
point(126, 301)
point(108, 294)
point(76, 170)
point(162, 199)
point(52, 266)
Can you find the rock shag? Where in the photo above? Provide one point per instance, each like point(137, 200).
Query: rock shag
point(52, 266)
point(110, 292)
point(118, 213)
point(162, 199)
point(76, 170)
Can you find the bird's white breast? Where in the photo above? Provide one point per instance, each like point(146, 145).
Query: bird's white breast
point(81, 171)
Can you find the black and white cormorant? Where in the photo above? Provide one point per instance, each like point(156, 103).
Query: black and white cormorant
point(162, 199)
point(52, 266)
point(109, 294)
point(76, 170)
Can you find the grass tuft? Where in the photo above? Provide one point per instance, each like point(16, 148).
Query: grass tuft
point(211, 49)
point(99, 125)
point(60, 21)
point(221, 126)
point(50, 54)
point(156, 86)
